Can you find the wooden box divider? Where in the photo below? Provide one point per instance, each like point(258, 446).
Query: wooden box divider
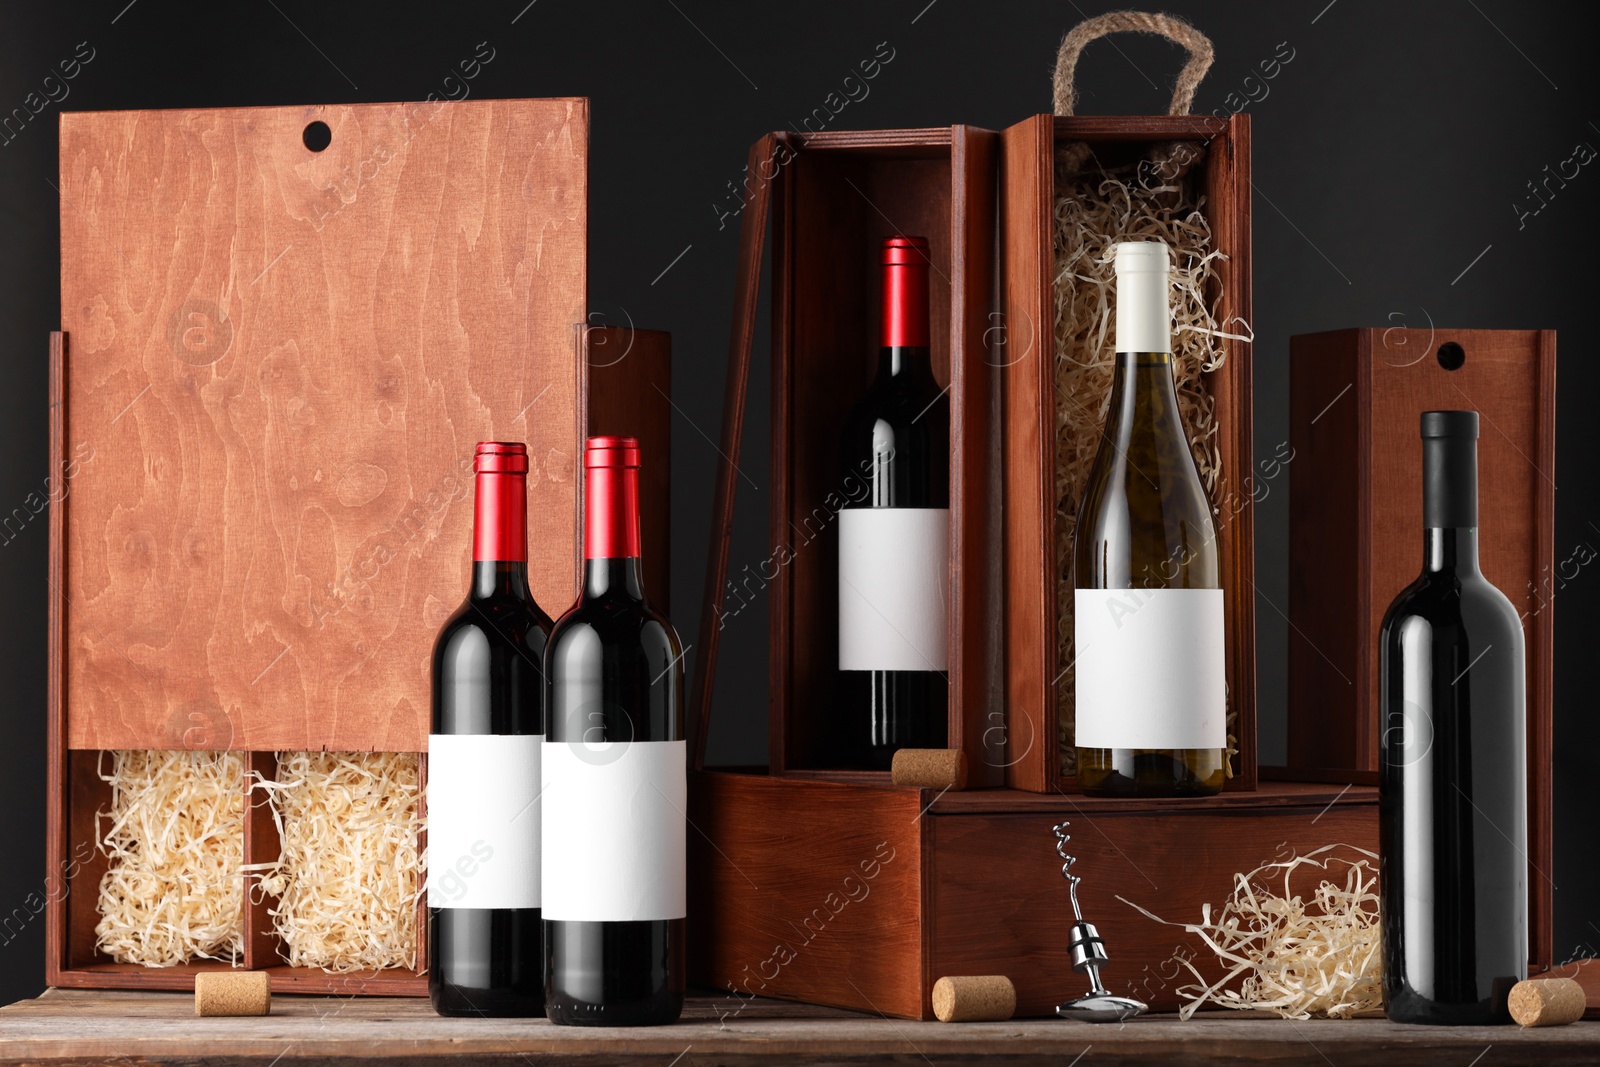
point(1033, 670)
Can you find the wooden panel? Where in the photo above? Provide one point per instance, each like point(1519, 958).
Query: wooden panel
point(976, 707)
point(1227, 185)
point(1027, 162)
point(283, 359)
point(1170, 863)
point(629, 393)
point(1028, 181)
point(1326, 494)
point(807, 890)
point(843, 205)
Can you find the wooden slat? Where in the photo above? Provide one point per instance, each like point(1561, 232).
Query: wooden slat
point(64, 1026)
point(977, 715)
point(57, 835)
point(1026, 174)
point(747, 289)
point(1324, 491)
point(1541, 674)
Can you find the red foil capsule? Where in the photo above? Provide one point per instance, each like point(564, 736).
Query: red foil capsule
point(500, 514)
point(905, 292)
point(611, 498)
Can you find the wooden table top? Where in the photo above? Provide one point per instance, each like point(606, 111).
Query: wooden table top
point(129, 1027)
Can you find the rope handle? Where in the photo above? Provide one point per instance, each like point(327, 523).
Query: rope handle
point(1169, 26)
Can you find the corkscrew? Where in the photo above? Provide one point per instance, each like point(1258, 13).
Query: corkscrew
point(1100, 1005)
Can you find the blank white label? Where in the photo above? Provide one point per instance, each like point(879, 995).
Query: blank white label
point(614, 815)
point(1150, 668)
point(894, 589)
point(483, 820)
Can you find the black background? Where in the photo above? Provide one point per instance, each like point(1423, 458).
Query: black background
point(1389, 153)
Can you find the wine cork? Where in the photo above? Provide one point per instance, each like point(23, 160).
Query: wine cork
point(973, 998)
point(1546, 1002)
point(232, 993)
point(931, 768)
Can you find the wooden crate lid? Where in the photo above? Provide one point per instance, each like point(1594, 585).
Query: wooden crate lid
point(278, 363)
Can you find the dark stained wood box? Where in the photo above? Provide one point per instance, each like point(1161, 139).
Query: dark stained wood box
point(1355, 519)
point(863, 896)
point(837, 887)
point(274, 363)
point(835, 196)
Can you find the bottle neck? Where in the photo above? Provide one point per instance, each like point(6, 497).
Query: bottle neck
point(1450, 550)
point(1143, 393)
point(611, 533)
point(911, 364)
point(500, 580)
point(500, 534)
point(905, 306)
point(1450, 504)
point(1143, 324)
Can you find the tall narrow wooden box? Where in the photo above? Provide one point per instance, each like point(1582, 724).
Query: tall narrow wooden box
point(275, 363)
point(1034, 673)
point(1355, 520)
point(837, 887)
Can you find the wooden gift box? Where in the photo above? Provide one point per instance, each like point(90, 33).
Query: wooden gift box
point(1355, 519)
point(837, 887)
point(274, 366)
point(1033, 668)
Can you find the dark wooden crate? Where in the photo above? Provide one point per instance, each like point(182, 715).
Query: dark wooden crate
point(974, 884)
point(1355, 518)
point(1033, 671)
point(834, 197)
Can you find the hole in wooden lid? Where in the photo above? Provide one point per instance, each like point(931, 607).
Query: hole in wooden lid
point(317, 136)
point(1451, 356)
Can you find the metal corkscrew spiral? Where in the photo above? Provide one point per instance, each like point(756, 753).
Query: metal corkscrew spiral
point(1088, 954)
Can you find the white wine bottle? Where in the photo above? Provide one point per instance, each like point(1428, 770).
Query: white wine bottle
point(1151, 692)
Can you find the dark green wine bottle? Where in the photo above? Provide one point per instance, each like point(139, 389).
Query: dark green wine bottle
point(1151, 684)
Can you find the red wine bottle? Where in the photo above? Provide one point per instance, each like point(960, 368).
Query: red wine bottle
point(485, 949)
point(1452, 771)
point(615, 776)
point(894, 534)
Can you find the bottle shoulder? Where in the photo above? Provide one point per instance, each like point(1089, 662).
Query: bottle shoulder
point(493, 623)
point(1451, 599)
point(610, 618)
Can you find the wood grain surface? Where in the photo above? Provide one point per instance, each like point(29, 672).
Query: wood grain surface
point(280, 363)
point(76, 1027)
